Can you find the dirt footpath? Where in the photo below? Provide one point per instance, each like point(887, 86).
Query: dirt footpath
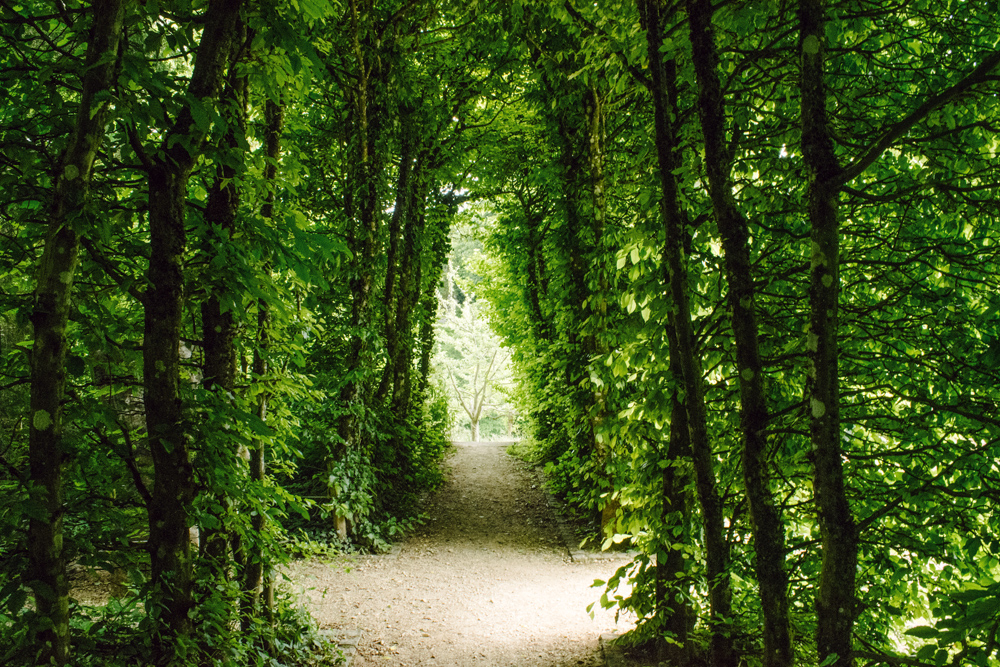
point(485, 582)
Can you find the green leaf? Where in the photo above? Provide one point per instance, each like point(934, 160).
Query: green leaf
point(76, 366)
point(923, 632)
point(926, 652)
point(200, 113)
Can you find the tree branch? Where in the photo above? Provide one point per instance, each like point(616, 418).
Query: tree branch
point(458, 393)
point(980, 416)
point(140, 151)
point(14, 472)
point(636, 73)
point(866, 159)
point(128, 459)
point(109, 268)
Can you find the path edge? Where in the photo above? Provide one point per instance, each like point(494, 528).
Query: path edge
point(566, 535)
point(613, 654)
point(347, 641)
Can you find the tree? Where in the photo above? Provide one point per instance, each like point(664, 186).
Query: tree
point(174, 487)
point(683, 349)
point(471, 356)
point(835, 600)
point(50, 317)
point(801, 447)
point(768, 528)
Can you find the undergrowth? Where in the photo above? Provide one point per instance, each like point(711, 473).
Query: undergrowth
point(117, 634)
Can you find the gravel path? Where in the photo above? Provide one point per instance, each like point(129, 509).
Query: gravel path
point(485, 582)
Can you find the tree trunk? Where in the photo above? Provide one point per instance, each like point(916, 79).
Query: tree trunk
point(579, 116)
point(409, 288)
point(769, 529)
point(47, 564)
point(403, 281)
point(534, 291)
point(835, 597)
point(174, 484)
point(672, 607)
point(394, 265)
point(429, 305)
point(218, 322)
point(597, 305)
point(663, 89)
point(365, 194)
point(174, 480)
point(430, 280)
point(255, 579)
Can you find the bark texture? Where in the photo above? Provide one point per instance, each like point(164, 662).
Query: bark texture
point(174, 482)
point(50, 316)
point(256, 584)
point(835, 596)
point(663, 89)
point(769, 530)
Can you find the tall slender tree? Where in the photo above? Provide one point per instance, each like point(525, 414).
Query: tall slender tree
point(768, 527)
point(683, 343)
point(257, 578)
point(169, 168)
point(50, 318)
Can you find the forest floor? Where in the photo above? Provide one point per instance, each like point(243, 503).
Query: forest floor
point(486, 581)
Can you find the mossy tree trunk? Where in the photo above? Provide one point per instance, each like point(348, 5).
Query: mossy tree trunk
point(50, 317)
point(174, 486)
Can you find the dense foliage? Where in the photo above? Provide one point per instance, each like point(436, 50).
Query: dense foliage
point(224, 224)
point(742, 258)
point(746, 262)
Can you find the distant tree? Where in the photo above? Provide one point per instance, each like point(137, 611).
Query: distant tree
point(471, 357)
